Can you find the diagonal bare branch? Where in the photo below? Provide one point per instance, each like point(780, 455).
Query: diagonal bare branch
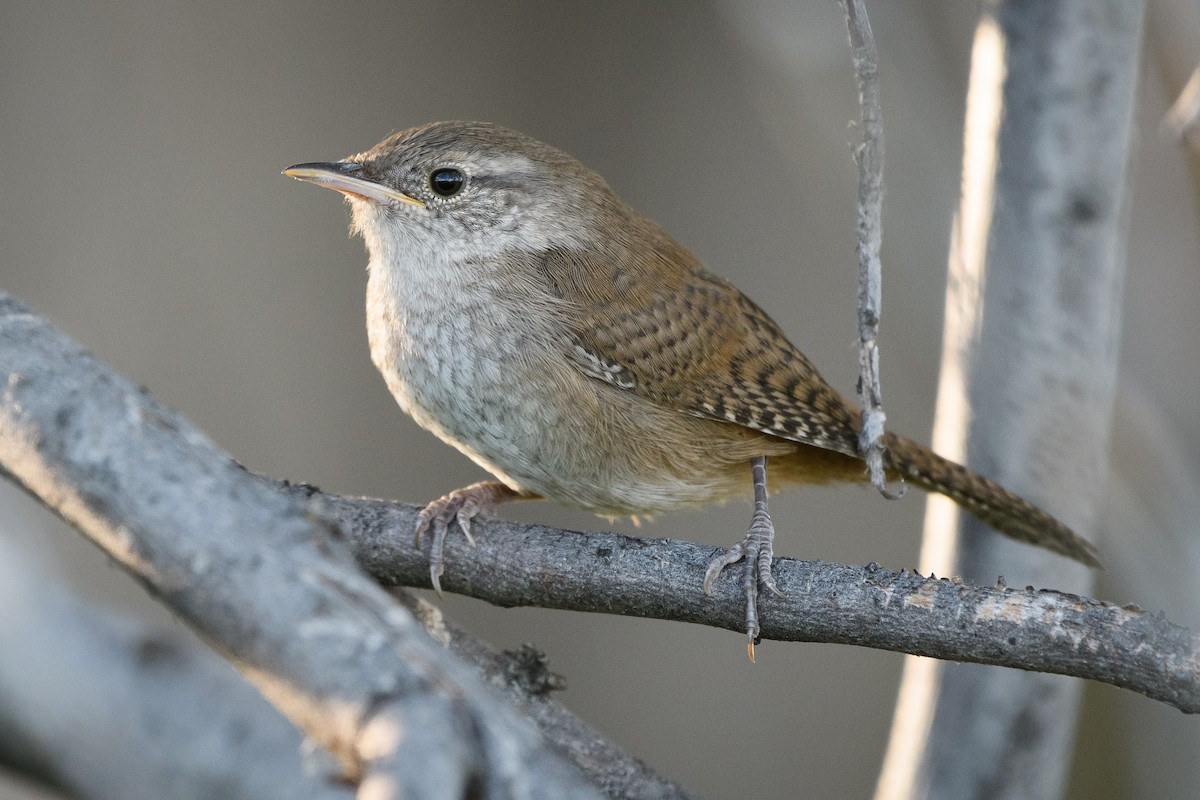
point(98, 705)
point(251, 570)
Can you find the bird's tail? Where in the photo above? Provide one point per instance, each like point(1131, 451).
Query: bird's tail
point(987, 500)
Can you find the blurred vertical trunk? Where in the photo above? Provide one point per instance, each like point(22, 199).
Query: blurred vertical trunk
point(1028, 370)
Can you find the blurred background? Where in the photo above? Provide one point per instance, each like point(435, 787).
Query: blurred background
point(142, 210)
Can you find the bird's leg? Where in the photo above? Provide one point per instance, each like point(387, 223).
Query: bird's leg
point(756, 548)
point(462, 506)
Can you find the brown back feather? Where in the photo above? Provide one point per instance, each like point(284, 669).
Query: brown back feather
point(683, 338)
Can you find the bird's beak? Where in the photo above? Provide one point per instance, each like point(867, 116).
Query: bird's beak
point(344, 177)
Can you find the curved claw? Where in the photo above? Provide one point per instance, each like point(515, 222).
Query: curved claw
point(464, 516)
point(424, 519)
point(460, 506)
point(436, 547)
point(718, 564)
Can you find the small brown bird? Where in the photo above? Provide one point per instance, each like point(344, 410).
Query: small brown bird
point(520, 311)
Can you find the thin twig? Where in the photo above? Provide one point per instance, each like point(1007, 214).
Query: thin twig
point(869, 155)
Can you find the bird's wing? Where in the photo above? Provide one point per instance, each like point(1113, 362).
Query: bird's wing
point(683, 338)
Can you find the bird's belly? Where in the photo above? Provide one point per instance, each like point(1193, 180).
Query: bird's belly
point(497, 392)
point(469, 388)
point(552, 431)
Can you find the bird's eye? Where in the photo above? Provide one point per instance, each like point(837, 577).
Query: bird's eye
point(447, 181)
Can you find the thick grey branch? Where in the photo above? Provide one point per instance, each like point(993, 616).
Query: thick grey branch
point(249, 568)
point(177, 721)
point(1029, 363)
point(102, 707)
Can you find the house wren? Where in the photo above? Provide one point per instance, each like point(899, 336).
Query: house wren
point(520, 311)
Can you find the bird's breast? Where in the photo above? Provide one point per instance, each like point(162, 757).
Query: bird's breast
point(468, 366)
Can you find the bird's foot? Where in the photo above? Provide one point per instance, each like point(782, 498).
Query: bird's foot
point(757, 547)
point(461, 506)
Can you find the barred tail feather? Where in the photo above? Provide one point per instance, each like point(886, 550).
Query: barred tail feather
point(987, 500)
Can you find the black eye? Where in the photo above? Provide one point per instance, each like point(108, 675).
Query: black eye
point(447, 181)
